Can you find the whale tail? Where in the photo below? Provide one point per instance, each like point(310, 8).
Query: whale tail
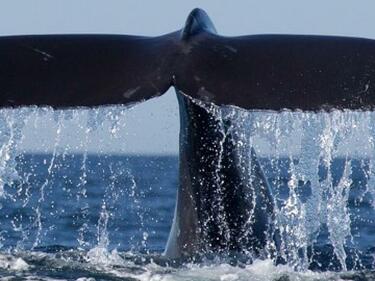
point(253, 72)
point(82, 70)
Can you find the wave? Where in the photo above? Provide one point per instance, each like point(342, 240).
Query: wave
point(101, 264)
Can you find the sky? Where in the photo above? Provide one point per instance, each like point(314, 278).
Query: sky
point(152, 127)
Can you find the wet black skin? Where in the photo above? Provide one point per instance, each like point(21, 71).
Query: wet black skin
point(276, 72)
point(224, 203)
point(297, 72)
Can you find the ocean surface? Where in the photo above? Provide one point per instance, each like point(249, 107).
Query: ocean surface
point(103, 217)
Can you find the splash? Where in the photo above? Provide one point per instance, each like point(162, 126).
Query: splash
point(38, 220)
point(310, 160)
point(11, 124)
point(311, 155)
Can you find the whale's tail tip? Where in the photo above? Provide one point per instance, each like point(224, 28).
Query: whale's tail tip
point(197, 22)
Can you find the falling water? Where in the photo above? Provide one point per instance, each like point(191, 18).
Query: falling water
point(82, 193)
point(316, 201)
point(310, 159)
point(11, 124)
point(20, 188)
point(38, 220)
point(311, 201)
point(371, 182)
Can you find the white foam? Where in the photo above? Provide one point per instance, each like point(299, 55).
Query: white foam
point(13, 263)
point(100, 256)
point(262, 270)
point(120, 265)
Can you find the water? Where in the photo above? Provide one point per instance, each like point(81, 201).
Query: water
point(76, 216)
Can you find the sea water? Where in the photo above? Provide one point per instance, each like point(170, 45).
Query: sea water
point(84, 216)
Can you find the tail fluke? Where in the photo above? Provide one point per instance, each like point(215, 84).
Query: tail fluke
point(82, 70)
point(275, 72)
point(253, 72)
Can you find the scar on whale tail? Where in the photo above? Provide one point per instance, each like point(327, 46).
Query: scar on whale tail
point(272, 72)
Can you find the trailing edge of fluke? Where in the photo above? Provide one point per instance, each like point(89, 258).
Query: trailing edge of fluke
point(253, 72)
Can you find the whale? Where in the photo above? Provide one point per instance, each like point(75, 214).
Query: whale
point(224, 203)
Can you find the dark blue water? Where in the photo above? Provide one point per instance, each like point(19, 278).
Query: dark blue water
point(138, 193)
point(108, 218)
